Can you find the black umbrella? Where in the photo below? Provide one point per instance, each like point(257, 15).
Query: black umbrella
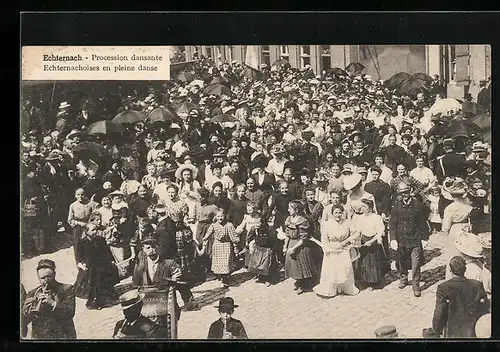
point(91, 149)
point(355, 67)
point(423, 76)
point(162, 114)
point(337, 72)
point(217, 89)
point(397, 79)
point(413, 86)
point(281, 63)
point(185, 107)
point(220, 80)
point(104, 128)
point(129, 116)
point(461, 128)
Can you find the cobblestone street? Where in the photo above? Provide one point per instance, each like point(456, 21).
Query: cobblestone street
point(276, 312)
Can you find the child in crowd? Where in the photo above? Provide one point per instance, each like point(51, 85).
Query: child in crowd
point(432, 195)
point(250, 220)
point(224, 248)
point(150, 180)
point(262, 258)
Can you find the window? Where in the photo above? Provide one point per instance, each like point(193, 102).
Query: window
point(284, 52)
point(305, 55)
point(229, 53)
point(265, 55)
point(325, 49)
point(208, 51)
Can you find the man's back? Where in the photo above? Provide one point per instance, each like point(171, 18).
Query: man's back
point(460, 302)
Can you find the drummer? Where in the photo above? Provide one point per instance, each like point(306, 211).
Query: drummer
point(135, 325)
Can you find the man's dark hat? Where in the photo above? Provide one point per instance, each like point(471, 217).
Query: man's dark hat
point(385, 331)
point(307, 135)
point(149, 239)
point(260, 161)
point(226, 303)
point(46, 263)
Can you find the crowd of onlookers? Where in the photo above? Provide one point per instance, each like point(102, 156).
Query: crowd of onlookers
point(330, 178)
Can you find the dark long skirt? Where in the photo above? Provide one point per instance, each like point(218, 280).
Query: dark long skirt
point(97, 282)
point(372, 264)
point(302, 265)
point(262, 261)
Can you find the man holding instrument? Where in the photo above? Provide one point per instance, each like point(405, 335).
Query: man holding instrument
point(156, 271)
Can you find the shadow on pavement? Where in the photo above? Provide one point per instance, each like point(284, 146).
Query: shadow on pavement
point(53, 243)
point(237, 279)
point(430, 254)
point(432, 276)
point(211, 296)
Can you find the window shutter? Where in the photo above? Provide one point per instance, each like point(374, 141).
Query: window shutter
point(462, 64)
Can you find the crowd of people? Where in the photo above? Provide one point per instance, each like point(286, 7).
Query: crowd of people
point(327, 178)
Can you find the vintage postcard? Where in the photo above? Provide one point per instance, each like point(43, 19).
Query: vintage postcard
point(255, 192)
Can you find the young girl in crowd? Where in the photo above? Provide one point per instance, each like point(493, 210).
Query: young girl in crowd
point(78, 216)
point(432, 196)
point(262, 259)
point(250, 220)
point(150, 180)
point(224, 248)
point(96, 273)
point(299, 261)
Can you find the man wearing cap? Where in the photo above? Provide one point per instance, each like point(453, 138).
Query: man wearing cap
point(156, 269)
point(50, 307)
point(459, 303)
point(409, 233)
point(450, 164)
point(135, 325)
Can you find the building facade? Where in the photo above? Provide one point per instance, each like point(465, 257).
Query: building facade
point(460, 67)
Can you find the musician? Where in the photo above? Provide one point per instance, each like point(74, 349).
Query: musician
point(50, 307)
point(135, 325)
point(226, 328)
point(154, 270)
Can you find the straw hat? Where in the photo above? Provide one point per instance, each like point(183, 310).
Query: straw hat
point(351, 181)
point(403, 187)
point(117, 193)
point(278, 149)
point(468, 244)
point(64, 105)
point(183, 167)
point(130, 299)
point(73, 133)
point(485, 239)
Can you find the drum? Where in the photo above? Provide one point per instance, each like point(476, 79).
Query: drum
point(159, 305)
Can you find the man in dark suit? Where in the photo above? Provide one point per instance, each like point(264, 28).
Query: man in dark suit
point(484, 97)
point(263, 180)
point(50, 307)
point(226, 328)
point(450, 164)
point(135, 325)
point(381, 192)
point(460, 302)
point(409, 233)
point(153, 269)
point(394, 154)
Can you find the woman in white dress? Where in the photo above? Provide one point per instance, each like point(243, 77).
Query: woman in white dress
point(456, 215)
point(337, 274)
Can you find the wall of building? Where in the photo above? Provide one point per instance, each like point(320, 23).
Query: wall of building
point(383, 61)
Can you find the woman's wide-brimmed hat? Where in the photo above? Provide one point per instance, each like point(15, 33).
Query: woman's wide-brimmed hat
point(321, 177)
point(351, 181)
point(226, 303)
point(469, 244)
point(455, 187)
point(130, 299)
point(191, 167)
point(73, 133)
point(278, 149)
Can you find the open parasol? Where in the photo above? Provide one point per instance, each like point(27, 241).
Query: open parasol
point(446, 106)
point(185, 107)
point(423, 76)
point(91, 149)
point(397, 79)
point(224, 118)
point(220, 80)
point(413, 86)
point(217, 89)
point(161, 114)
point(104, 128)
point(461, 128)
point(281, 63)
point(129, 116)
point(355, 67)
